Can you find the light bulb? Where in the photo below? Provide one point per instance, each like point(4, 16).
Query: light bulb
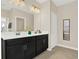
point(17, 2)
point(35, 9)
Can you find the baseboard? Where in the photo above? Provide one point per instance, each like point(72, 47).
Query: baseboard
point(50, 49)
point(67, 47)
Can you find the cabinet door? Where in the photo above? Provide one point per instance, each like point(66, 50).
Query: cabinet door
point(45, 42)
point(15, 52)
point(39, 45)
point(29, 50)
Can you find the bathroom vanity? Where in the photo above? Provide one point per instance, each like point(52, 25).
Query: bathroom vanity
point(26, 47)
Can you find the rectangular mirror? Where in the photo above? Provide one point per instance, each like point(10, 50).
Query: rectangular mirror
point(16, 20)
point(66, 29)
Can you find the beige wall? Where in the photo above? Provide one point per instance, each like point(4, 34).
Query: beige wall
point(11, 14)
point(68, 11)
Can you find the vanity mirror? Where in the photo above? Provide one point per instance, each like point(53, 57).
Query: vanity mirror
point(18, 15)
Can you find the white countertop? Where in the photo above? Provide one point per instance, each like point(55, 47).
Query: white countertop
point(12, 35)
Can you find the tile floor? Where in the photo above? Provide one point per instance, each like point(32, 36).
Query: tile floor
point(58, 53)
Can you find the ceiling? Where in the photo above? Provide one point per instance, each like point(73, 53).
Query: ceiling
point(40, 1)
point(6, 5)
point(62, 2)
point(57, 2)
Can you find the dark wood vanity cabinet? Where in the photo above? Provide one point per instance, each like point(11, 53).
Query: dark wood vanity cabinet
point(22, 48)
point(29, 48)
point(41, 44)
point(15, 52)
point(25, 48)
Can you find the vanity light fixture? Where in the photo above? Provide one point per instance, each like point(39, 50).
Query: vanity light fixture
point(18, 2)
point(35, 9)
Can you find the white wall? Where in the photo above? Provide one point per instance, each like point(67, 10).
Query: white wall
point(68, 11)
point(53, 25)
point(37, 21)
point(53, 29)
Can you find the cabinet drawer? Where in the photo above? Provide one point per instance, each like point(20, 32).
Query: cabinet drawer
point(43, 36)
point(18, 41)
